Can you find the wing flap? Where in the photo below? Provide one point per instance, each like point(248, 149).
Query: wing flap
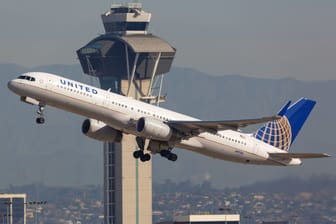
point(197, 127)
point(285, 156)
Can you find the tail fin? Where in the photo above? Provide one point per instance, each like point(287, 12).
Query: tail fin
point(282, 133)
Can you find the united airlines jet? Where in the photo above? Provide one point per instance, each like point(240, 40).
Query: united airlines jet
point(111, 115)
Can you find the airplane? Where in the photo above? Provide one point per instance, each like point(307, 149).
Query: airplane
point(110, 115)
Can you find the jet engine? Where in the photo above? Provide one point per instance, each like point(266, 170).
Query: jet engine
point(152, 128)
point(100, 131)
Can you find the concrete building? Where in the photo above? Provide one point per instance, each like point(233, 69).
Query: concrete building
point(206, 219)
point(13, 208)
point(128, 60)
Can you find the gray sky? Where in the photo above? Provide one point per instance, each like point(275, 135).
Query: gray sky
point(274, 39)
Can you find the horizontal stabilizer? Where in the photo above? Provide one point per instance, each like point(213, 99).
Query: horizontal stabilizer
point(284, 156)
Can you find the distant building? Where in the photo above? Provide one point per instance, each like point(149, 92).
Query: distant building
point(275, 222)
point(206, 219)
point(13, 208)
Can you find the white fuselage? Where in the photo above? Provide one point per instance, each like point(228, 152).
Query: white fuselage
point(120, 112)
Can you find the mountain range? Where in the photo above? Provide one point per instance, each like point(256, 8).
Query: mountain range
point(58, 154)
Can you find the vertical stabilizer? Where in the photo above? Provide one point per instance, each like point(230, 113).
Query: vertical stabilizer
point(282, 133)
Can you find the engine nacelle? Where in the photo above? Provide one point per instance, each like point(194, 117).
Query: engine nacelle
point(100, 131)
point(154, 129)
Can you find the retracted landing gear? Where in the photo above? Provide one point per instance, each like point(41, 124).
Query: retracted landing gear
point(169, 155)
point(40, 110)
point(140, 153)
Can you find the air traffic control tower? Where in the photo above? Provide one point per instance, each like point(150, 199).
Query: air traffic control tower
point(128, 60)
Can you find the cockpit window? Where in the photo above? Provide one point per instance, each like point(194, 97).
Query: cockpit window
point(26, 77)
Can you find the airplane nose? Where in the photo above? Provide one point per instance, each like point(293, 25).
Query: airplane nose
point(12, 85)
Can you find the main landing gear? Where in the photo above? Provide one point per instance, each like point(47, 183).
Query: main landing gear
point(40, 119)
point(140, 153)
point(146, 156)
point(169, 155)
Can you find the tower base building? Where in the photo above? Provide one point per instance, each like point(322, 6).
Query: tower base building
point(206, 219)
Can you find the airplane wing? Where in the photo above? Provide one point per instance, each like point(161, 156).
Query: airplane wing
point(192, 128)
point(285, 156)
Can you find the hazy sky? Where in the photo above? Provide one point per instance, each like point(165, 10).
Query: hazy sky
point(287, 38)
point(272, 39)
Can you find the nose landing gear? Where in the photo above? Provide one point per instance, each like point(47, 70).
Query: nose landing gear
point(40, 110)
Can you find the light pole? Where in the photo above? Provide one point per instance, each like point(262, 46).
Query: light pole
point(36, 204)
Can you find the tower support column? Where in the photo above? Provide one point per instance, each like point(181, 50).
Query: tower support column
point(127, 181)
